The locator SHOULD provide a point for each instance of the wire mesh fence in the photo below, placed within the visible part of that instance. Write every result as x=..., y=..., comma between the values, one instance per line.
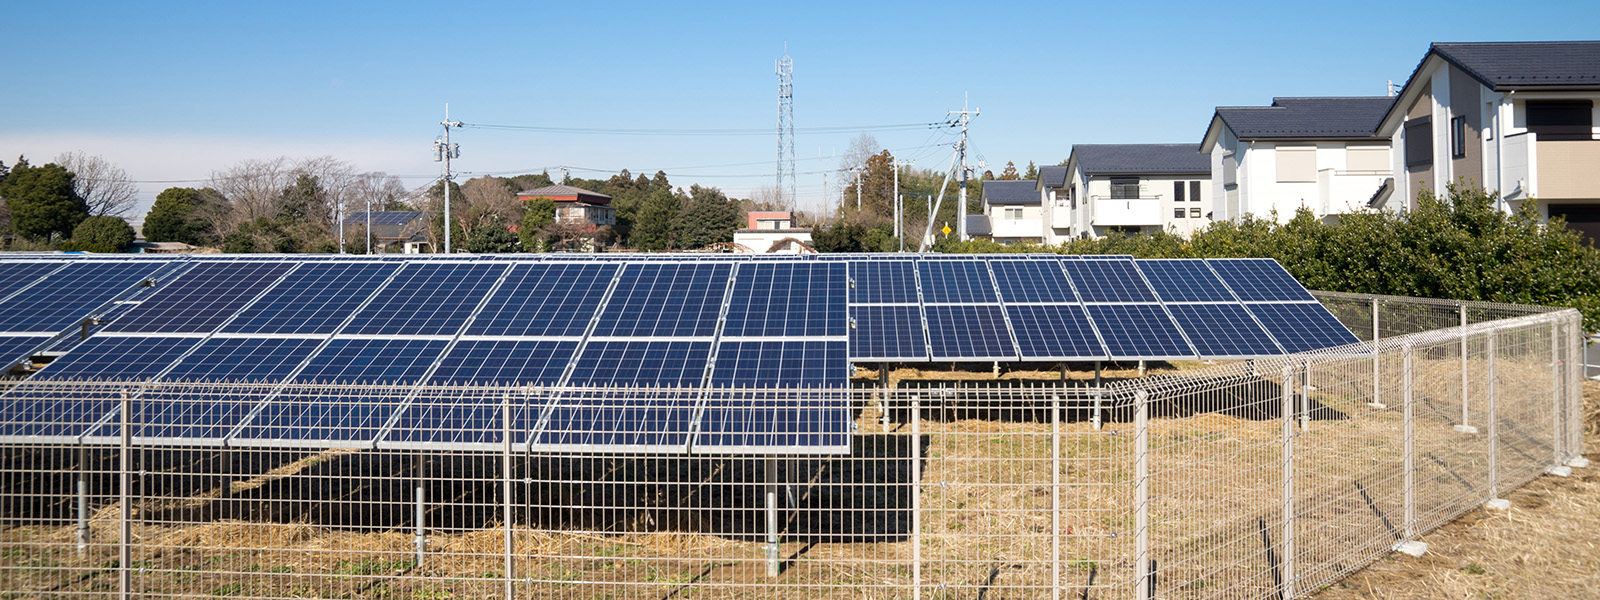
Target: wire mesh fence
x=1261, y=479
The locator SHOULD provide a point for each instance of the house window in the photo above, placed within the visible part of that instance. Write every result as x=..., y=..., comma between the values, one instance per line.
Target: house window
x=1194, y=213
x=1419, y=142
x=1014, y=214
x=1194, y=192
x=1561, y=119
x=1458, y=137
x=1125, y=188
x=1177, y=213
x=1297, y=163
x=1177, y=191
x=1072, y=196
x=1366, y=159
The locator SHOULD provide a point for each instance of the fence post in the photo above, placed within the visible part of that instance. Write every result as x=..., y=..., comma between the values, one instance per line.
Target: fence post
x=774, y=560
x=916, y=496
x=1288, y=420
x=421, y=539
x=1141, y=493
x=1466, y=424
x=1557, y=392
x=1305, y=395
x=1492, y=392
x=1055, y=497
x=125, y=506
x=505, y=476
x=1377, y=358
x=1408, y=395
x=83, y=501
x=1577, y=370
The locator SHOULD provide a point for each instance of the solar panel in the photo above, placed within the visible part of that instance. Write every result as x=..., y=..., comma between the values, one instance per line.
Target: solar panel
x=883, y=281
x=180, y=415
x=550, y=299
x=17, y=347
x=1108, y=281
x=1259, y=280
x=618, y=423
x=892, y=332
x=124, y=358
x=1222, y=330
x=801, y=425
x=1054, y=332
x=427, y=299
x=355, y=418
x=1140, y=331
x=504, y=362
x=392, y=217
x=15, y=275
x=808, y=364
x=969, y=332
x=45, y=414
x=653, y=363
x=202, y=298
x=1184, y=280
x=789, y=299
x=66, y=297
x=1032, y=281
x=378, y=361
x=961, y=281
x=1299, y=327
x=315, y=298
x=666, y=300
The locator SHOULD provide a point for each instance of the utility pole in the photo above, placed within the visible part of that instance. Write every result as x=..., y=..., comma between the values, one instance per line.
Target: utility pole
x=369, y=222
x=444, y=150
x=899, y=200
x=857, y=171
x=963, y=117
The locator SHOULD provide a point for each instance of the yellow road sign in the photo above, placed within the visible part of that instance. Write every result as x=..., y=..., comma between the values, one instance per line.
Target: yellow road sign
x=946, y=230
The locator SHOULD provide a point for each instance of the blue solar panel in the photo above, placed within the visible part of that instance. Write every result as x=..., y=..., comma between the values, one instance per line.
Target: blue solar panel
x=619, y=424
x=549, y=299
x=316, y=419
x=666, y=300
x=799, y=426
x=393, y=217
x=25, y=411
x=210, y=416
x=14, y=275
x=1299, y=327
x=478, y=362
x=65, y=298
x=315, y=298
x=1054, y=332
x=1219, y=330
x=378, y=361
x=243, y=359
x=202, y=298
x=1108, y=281
x=126, y=358
x=808, y=364
x=1138, y=331
x=969, y=332
x=15, y=348
x=1184, y=280
x=963, y=281
x=1037, y=280
x=887, y=332
x=1259, y=280
x=788, y=300
x=456, y=420
x=883, y=282
x=659, y=363
x=427, y=299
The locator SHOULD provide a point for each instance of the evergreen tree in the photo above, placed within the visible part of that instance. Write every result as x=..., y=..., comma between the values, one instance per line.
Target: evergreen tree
x=654, y=228
x=100, y=234
x=42, y=201
x=177, y=216
x=1032, y=172
x=1010, y=172
x=709, y=217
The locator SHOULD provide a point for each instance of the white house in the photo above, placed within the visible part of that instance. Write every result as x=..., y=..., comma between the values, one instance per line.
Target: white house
x=1057, y=213
x=1517, y=117
x=772, y=231
x=1014, y=211
x=1319, y=153
x=1134, y=188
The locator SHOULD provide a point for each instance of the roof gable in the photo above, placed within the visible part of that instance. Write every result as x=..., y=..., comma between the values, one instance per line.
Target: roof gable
x=1349, y=118
x=1519, y=65
x=998, y=192
x=559, y=190
x=1137, y=159
x=1052, y=176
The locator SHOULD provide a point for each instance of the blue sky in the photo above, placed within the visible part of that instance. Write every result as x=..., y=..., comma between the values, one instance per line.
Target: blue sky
x=173, y=91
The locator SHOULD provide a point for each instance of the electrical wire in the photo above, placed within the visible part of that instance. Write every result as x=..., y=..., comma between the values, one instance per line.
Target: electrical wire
x=705, y=132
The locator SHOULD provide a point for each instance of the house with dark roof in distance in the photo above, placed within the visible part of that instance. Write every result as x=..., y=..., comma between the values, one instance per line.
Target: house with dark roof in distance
x=393, y=230
x=1054, y=208
x=1137, y=188
x=1320, y=153
x=1517, y=117
x=581, y=211
x=1013, y=210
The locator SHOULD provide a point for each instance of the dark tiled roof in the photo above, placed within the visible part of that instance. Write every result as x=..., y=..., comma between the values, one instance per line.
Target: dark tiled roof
x=561, y=190
x=1053, y=176
x=1131, y=159
x=1511, y=65
x=978, y=225
x=1307, y=118
x=1010, y=193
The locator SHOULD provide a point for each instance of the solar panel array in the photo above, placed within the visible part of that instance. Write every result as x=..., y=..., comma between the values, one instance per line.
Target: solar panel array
x=681, y=326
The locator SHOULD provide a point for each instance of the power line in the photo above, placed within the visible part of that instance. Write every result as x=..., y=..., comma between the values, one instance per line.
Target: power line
x=704, y=132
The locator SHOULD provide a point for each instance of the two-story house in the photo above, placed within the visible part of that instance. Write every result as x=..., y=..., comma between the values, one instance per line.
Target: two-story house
x=575, y=205
x=1517, y=117
x=1013, y=211
x=1057, y=214
x=772, y=231
x=1137, y=188
x=1320, y=153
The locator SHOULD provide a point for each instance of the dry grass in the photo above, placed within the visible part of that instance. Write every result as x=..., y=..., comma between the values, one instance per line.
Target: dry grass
x=1547, y=546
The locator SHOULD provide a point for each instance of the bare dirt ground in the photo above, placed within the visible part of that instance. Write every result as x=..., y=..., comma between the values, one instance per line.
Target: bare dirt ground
x=1547, y=546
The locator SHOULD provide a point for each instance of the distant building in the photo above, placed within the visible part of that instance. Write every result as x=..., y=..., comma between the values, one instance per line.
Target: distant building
x=1134, y=188
x=404, y=230
x=1319, y=153
x=772, y=231
x=1518, y=117
x=1013, y=211
x=1055, y=210
x=575, y=205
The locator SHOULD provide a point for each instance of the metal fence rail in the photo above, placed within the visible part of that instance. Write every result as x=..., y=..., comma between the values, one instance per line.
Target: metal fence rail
x=1263, y=479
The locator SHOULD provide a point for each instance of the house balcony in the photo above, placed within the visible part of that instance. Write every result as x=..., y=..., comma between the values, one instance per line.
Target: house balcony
x=1119, y=212
x=1017, y=228
x=1060, y=216
x=1342, y=192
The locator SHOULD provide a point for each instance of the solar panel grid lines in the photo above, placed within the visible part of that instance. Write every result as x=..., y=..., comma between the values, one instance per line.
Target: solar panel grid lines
x=1301, y=326
x=1031, y=281
x=956, y=281
x=969, y=332
x=888, y=332
x=1222, y=331
x=666, y=299
x=1259, y=280
x=588, y=331
x=1107, y=280
x=1055, y=332
x=69, y=418
x=428, y=298
x=16, y=277
x=1186, y=341
x=787, y=299
x=314, y=298
x=1140, y=331
x=1010, y=331
x=207, y=419
x=16, y=348
x=545, y=299
x=1184, y=280
x=883, y=282
x=203, y=298
x=67, y=296
x=1099, y=338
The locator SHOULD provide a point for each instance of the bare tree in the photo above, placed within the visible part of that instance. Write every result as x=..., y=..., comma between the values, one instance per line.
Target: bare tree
x=253, y=186
x=485, y=201
x=104, y=186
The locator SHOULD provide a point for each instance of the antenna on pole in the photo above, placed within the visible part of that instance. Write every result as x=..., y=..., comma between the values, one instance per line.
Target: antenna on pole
x=962, y=118
x=785, y=183
x=443, y=150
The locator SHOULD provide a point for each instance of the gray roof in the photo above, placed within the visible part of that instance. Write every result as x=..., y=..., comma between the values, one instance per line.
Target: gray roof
x=998, y=192
x=1139, y=159
x=1052, y=176
x=978, y=225
x=561, y=190
x=1356, y=117
x=1519, y=65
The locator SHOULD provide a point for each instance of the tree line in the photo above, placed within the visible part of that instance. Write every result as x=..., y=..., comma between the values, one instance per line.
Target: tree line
x=72, y=203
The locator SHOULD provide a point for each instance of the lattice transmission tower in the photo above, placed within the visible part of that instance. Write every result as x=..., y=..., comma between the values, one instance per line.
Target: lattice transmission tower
x=786, y=186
